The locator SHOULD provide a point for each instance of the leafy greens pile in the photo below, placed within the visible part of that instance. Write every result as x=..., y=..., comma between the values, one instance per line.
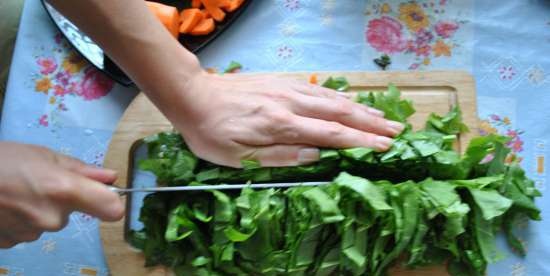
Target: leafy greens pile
x=419, y=203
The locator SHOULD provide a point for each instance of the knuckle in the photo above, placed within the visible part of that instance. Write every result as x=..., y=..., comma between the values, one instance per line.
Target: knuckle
x=30, y=236
x=279, y=118
x=52, y=223
x=343, y=109
x=334, y=129
x=60, y=189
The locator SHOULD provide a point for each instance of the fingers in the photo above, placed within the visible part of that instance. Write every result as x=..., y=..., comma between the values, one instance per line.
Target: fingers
x=323, y=133
x=284, y=155
x=79, y=167
x=335, y=97
x=88, y=196
x=347, y=113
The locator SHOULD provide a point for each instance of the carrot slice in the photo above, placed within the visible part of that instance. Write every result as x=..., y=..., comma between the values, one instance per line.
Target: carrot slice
x=213, y=8
x=206, y=14
x=204, y=27
x=189, y=19
x=196, y=4
x=313, y=79
x=167, y=15
x=234, y=5
x=225, y=4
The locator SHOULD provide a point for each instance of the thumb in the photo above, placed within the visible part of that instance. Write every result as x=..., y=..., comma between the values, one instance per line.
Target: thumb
x=285, y=155
x=74, y=165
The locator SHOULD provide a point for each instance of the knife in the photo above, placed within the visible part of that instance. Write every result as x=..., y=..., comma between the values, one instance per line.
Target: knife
x=125, y=191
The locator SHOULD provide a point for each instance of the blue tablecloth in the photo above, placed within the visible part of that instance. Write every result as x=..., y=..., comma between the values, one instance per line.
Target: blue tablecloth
x=54, y=98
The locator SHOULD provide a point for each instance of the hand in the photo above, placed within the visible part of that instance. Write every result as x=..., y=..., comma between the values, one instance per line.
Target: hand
x=39, y=189
x=225, y=119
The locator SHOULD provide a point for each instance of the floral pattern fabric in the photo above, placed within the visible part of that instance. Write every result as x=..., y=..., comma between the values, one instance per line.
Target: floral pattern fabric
x=56, y=99
x=418, y=30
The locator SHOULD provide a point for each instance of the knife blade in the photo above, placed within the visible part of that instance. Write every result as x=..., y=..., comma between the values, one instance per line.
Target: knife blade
x=125, y=191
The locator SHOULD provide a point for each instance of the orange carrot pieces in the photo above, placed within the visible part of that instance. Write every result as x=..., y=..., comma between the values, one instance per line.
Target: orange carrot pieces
x=213, y=8
x=196, y=4
x=189, y=19
x=233, y=5
x=225, y=4
x=206, y=14
x=204, y=27
x=313, y=79
x=167, y=15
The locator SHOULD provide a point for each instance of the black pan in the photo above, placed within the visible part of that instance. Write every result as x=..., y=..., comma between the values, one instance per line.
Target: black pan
x=94, y=54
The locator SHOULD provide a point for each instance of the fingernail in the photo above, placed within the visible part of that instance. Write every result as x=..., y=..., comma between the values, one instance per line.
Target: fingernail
x=395, y=127
x=308, y=155
x=376, y=112
x=383, y=143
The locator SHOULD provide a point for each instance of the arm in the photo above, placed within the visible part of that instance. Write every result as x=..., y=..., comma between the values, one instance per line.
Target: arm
x=225, y=119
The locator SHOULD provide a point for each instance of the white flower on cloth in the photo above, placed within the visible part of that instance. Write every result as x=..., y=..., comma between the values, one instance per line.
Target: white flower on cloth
x=518, y=269
x=288, y=28
x=48, y=245
x=536, y=75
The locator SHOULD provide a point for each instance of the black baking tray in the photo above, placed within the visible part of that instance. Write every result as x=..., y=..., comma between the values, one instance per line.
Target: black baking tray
x=94, y=54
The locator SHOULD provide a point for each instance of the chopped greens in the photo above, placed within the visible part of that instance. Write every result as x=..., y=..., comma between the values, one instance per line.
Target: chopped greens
x=337, y=83
x=383, y=61
x=233, y=67
x=419, y=203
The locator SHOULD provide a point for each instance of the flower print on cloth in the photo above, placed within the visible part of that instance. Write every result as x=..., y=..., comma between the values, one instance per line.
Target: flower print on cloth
x=496, y=124
x=94, y=85
x=65, y=73
x=385, y=34
x=413, y=16
x=47, y=65
x=415, y=31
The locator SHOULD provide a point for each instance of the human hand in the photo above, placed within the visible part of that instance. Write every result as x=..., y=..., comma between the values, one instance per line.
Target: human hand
x=39, y=189
x=228, y=118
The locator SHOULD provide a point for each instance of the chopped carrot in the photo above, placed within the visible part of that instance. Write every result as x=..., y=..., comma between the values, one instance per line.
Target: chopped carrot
x=313, y=79
x=225, y=4
x=204, y=27
x=189, y=19
x=233, y=5
x=167, y=15
x=213, y=8
x=196, y=4
x=206, y=14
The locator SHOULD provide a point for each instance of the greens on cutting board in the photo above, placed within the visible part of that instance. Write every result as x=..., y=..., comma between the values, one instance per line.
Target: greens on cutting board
x=419, y=203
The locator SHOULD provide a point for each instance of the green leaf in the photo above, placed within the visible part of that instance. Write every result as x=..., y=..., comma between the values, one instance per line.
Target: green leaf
x=337, y=83
x=491, y=203
x=250, y=164
x=232, y=67
x=368, y=191
x=236, y=236
x=327, y=205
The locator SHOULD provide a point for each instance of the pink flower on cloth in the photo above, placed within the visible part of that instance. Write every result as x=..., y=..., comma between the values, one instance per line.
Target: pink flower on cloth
x=47, y=65
x=423, y=37
x=43, y=121
x=94, y=85
x=385, y=35
x=516, y=145
x=59, y=90
x=445, y=29
x=423, y=50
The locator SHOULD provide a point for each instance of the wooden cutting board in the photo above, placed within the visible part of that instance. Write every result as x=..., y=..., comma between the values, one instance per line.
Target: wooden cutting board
x=436, y=91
